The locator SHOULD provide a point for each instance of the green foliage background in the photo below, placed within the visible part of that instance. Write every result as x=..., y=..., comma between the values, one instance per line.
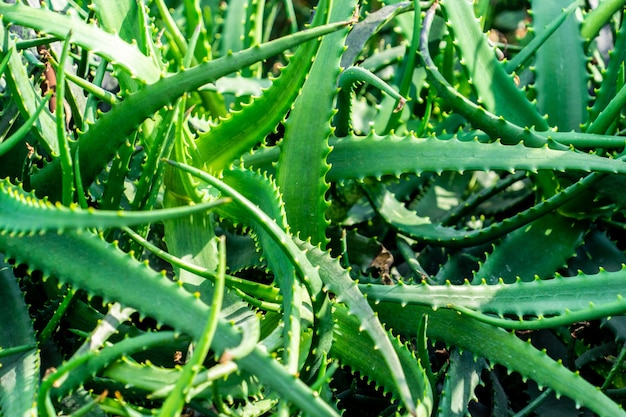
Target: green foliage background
x=259, y=207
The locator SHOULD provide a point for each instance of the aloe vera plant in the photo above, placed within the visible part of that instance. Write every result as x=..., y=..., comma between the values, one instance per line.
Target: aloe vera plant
x=257, y=208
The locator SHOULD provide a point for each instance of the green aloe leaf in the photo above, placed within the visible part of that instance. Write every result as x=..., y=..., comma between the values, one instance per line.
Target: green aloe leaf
x=501, y=347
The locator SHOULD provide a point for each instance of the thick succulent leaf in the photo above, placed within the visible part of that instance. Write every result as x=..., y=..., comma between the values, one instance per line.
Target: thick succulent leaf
x=22, y=212
x=358, y=157
x=305, y=144
x=127, y=19
x=584, y=293
x=461, y=380
x=422, y=228
x=501, y=347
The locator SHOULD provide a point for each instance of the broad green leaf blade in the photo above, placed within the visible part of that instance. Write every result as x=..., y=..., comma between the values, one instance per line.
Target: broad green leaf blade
x=358, y=157
x=461, y=380
x=126, y=18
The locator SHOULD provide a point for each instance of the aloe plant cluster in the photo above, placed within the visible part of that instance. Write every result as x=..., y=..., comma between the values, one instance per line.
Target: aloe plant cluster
x=260, y=208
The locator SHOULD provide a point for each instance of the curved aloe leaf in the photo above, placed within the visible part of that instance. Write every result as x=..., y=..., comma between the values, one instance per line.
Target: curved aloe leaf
x=356, y=157
x=406, y=221
x=501, y=347
x=363, y=353
x=582, y=293
x=22, y=212
x=305, y=144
